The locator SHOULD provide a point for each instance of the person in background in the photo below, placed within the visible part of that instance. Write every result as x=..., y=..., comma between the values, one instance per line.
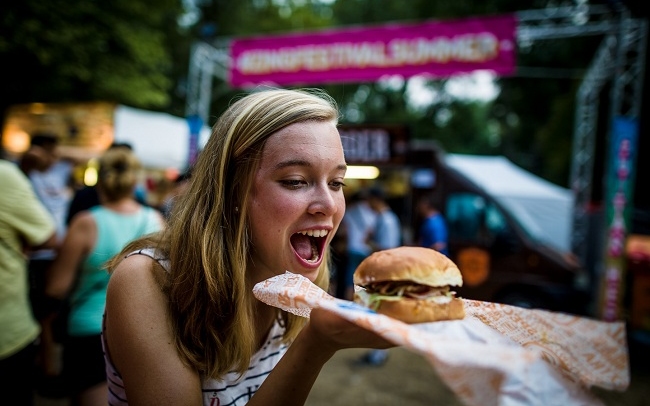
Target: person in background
x=51, y=178
x=88, y=197
x=339, y=263
x=433, y=229
x=387, y=231
x=50, y=174
x=78, y=272
x=180, y=186
x=265, y=197
x=25, y=224
x=359, y=221
x=386, y=234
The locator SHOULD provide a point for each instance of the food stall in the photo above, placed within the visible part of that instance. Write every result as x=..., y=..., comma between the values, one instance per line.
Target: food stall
x=85, y=130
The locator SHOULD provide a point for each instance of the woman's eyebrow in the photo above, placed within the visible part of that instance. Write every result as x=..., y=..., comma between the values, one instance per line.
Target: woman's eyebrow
x=302, y=162
x=292, y=162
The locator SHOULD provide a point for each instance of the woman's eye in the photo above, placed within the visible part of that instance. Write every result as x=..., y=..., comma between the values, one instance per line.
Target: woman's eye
x=292, y=183
x=336, y=185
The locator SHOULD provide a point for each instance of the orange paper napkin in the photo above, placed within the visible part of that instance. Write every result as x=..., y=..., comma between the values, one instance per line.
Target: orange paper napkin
x=496, y=355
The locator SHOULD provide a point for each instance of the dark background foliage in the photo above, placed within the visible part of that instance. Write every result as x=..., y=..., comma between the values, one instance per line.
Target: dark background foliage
x=136, y=52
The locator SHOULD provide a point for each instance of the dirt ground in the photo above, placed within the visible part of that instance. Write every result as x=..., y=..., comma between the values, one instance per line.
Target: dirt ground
x=408, y=379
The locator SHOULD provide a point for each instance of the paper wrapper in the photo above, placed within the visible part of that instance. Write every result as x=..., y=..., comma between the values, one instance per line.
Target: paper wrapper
x=497, y=355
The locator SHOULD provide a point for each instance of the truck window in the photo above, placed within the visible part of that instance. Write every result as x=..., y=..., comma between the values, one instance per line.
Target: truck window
x=472, y=219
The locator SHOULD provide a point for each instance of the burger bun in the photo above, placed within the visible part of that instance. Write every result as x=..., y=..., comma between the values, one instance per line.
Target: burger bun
x=415, y=266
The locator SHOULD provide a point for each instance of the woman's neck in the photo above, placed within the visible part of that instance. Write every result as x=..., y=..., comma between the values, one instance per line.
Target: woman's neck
x=124, y=205
x=265, y=317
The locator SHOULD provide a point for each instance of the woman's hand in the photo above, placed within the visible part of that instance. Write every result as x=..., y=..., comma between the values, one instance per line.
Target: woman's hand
x=290, y=382
x=334, y=333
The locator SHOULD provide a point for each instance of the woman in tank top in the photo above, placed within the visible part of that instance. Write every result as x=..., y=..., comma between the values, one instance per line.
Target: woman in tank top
x=182, y=326
x=79, y=274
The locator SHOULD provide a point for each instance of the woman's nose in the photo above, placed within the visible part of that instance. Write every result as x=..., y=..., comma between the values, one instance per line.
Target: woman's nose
x=324, y=201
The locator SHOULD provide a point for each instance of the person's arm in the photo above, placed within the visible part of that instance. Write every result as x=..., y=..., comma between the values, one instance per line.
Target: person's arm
x=51, y=242
x=60, y=278
x=140, y=339
x=293, y=377
x=141, y=346
x=26, y=214
x=79, y=238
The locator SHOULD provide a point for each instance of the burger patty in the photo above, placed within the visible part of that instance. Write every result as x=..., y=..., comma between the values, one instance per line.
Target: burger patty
x=407, y=289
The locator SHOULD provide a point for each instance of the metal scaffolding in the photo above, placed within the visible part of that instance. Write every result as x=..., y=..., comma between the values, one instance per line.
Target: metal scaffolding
x=206, y=61
x=620, y=59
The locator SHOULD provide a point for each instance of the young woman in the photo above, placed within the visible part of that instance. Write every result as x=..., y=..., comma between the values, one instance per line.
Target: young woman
x=79, y=273
x=182, y=326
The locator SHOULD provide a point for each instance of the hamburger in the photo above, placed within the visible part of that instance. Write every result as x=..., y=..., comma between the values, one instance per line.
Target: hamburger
x=411, y=284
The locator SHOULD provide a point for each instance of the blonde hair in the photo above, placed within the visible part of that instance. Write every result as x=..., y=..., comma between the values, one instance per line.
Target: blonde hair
x=208, y=239
x=119, y=169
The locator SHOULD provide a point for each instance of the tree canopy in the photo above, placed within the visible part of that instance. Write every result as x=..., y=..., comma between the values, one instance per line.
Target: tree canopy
x=136, y=52
x=58, y=51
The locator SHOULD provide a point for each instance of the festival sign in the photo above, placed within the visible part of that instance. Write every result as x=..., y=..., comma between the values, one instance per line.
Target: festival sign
x=434, y=48
x=618, y=208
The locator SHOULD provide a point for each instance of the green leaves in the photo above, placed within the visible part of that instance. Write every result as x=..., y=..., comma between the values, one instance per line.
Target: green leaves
x=86, y=51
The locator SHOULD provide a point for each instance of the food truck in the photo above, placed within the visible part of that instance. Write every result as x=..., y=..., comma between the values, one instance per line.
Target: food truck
x=504, y=254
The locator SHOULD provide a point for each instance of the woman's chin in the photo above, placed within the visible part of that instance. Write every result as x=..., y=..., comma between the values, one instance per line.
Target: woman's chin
x=308, y=269
x=312, y=275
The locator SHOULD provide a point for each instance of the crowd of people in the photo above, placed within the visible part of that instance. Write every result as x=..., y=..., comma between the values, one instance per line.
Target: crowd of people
x=160, y=300
x=52, y=303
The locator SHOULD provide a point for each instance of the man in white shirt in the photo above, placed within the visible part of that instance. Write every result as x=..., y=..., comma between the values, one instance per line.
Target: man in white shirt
x=359, y=222
x=386, y=234
x=51, y=177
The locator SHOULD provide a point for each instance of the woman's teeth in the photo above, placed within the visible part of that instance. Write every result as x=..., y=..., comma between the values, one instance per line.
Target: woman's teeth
x=315, y=255
x=314, y=233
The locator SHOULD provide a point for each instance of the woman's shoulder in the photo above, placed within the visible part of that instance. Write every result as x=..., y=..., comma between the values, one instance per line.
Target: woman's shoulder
x=137, y=272
x=83, y=223
x=132, y=267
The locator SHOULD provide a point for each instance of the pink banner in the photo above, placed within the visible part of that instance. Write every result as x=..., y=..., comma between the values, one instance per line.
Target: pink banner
x=437, y=49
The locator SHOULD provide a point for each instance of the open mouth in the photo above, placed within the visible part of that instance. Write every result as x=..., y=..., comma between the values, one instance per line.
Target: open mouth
x=309, y=244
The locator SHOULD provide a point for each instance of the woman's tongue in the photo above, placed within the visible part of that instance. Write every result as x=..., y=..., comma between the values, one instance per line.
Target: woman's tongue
x=303, y=245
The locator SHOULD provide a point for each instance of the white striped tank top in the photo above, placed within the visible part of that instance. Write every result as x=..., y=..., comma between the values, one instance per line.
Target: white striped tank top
x=232, y=389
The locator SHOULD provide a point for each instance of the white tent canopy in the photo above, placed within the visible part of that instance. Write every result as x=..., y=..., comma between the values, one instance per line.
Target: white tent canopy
x=159, y=140
x=543, y=208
